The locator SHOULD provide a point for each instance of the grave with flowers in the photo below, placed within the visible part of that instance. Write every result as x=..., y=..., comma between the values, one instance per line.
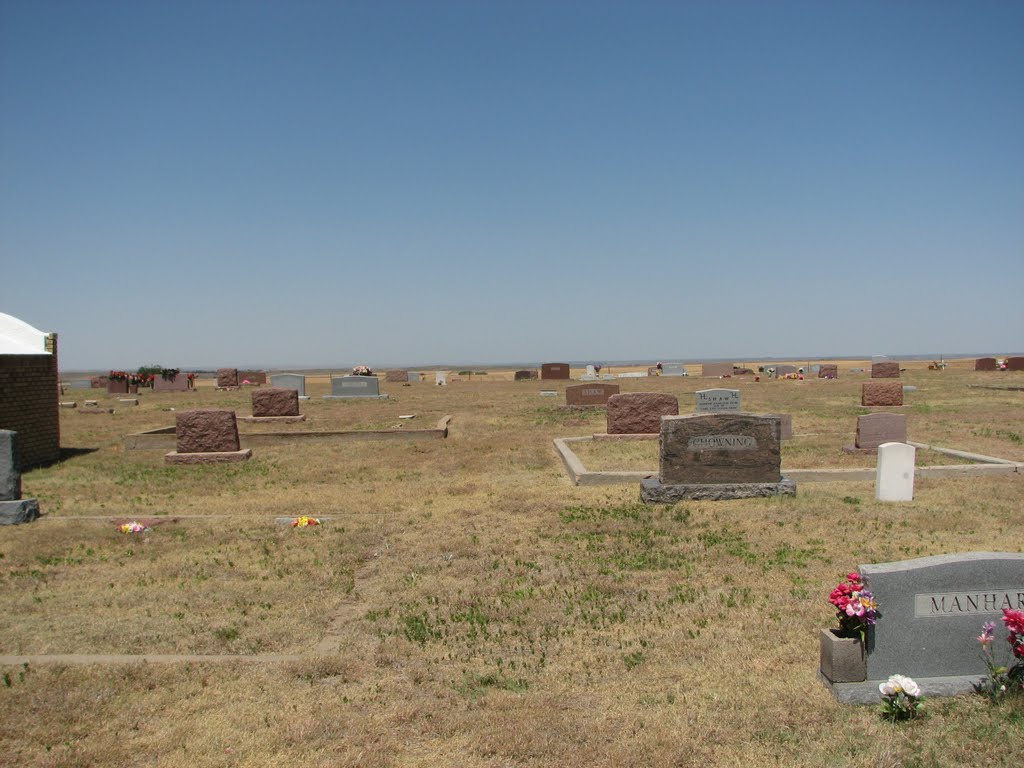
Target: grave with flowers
x=932, y=620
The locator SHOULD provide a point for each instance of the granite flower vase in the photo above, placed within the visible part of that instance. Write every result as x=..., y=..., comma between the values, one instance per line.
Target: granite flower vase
x=842, y=658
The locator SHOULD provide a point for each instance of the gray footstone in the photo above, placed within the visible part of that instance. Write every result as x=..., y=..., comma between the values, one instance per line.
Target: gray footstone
x=18, y=512
x=10, y=466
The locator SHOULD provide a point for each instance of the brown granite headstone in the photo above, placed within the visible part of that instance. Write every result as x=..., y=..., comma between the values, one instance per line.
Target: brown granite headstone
x=639, y=413
x=554, y=371
x=714, y=370
x=253, y=377
x=206, y=430
x=986, y=364
x=399, y=376
x=590, y=394
x=877, y=428
x=887, y=369
x=275, y=401
x=177, y=383
x=720, y=448
x=227, y=377
x=881, y=393
x=525, y=375
x=119, y=387
x=828, y=372
x=1015, y=363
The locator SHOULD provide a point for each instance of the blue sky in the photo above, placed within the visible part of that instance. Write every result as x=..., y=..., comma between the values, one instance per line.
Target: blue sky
x=328, y=183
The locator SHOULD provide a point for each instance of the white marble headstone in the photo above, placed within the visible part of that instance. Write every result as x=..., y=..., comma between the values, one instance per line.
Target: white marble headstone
x=894, y=477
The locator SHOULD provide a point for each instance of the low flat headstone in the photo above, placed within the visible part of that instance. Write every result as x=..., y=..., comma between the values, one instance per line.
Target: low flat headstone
x=888, y=369
x=71, y=404
x=355, y=386
x=294, y=381
x=128, y=400
x=1015, y=363
x=981, y=364
x=91, y=403
x=554, y=371
x=877, y=428
x=676, y=369
x=894, y=475
x=856, y=370
x=828, y=372
x=590, y=394
x=638, y=413
x=715, y=370
x=275, y=401
x=525, y=375
x=549, y=393
x=717, y=401
x=206, y=430
x=909, y=388
x=227, y=377
x=881, y=394
x=933, y=609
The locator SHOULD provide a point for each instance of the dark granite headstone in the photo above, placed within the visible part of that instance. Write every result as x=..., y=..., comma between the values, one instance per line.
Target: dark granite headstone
x=554, y=371
x=590, y=394
x=985, y=364
x=1015, y=363
x=720, y=448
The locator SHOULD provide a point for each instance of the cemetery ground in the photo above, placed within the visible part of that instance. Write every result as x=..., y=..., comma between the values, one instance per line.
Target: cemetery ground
x=464, y=603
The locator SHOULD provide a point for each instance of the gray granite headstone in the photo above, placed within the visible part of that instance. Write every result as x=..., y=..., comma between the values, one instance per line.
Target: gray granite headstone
x=10, y=467
x=673, y=369
x=718, y=401
x=355, y=386
x=933, y=608
x=413, y=376
x=289, y=381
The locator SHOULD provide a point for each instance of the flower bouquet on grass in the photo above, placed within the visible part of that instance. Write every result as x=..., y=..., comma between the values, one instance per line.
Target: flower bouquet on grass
x=133, y=527
x=901, y=698
x=855, y=607
x=1003, y=681
x=304, y=522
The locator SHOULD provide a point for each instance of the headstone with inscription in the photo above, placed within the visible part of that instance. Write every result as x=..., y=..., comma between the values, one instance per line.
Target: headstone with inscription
x=554, y=371
x=294, y=381
x=932, y=611
x=595, y=394
x=345, y=387
x=673, y=369
x=717, y=401
x=718, y=456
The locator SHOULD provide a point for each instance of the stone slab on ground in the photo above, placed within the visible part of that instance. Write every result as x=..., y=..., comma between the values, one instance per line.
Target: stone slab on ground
x=273, y=419
x=92, y=410
x=209, y=457
x=18, y=511
x=653, y=491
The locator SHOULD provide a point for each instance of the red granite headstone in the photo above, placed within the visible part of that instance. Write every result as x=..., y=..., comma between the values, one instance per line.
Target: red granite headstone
x=888, y=369
x=986, y=364
x=554, y=371
x=590, y=394
x=828, y=372
x=637, y=413
x=227, y=377
x=206, y=430
x=1015, y=363
x=881, y=393
x=275, y=401
x=877, y=428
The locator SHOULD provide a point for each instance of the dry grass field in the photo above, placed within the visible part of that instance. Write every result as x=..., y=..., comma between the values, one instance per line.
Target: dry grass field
x=464, y=604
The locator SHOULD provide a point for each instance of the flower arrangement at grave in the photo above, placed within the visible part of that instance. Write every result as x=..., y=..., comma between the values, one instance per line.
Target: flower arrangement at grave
x=168, y=374
x=133, y=527
x=1003, y=681
x=304, y=521
x=117, y=376
x=856, y=607
x=901, y=698
x=362, y=370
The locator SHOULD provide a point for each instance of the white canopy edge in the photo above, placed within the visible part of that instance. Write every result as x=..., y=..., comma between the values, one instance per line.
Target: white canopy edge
x=20, y=338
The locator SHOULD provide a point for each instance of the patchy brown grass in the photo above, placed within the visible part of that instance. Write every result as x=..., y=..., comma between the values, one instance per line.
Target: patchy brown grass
x=488, y=612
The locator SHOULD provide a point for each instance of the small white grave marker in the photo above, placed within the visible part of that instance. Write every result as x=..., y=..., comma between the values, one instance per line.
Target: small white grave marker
x=894, y=477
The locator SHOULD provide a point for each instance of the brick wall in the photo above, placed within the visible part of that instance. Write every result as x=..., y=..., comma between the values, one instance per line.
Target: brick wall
x=29, y=404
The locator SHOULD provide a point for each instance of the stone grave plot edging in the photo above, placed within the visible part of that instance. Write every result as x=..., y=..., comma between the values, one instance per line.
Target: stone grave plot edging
x=988, y=465
x=164, y=438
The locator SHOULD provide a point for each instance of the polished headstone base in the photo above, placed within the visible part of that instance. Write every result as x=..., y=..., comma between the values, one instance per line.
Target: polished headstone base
x=652, y=491
x=17, y=512
x=209, y=457
x=867, y=692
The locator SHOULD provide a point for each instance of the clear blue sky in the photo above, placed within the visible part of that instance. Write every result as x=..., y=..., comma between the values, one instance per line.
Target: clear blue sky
x=326, y=183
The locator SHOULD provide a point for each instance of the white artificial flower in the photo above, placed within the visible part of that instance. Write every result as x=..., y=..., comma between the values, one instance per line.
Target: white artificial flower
x=897, y=683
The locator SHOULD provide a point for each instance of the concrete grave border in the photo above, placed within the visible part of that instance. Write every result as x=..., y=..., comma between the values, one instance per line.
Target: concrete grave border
x=988, y=465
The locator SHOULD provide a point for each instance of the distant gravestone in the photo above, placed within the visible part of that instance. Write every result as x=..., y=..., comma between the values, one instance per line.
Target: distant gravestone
x=414, y=377
x=881, y=394
x=354, y=386
x=894, y=475
x=525, y=375
x=785, y=370
x=716, y=370
x=258, y=378
x=590, y=394
x=14, y=510
x=877, y=428
x=815, y=369
x=227, y=377
x=652, y=370
x=176, y=383
x=638, y=413
x=888, y=369
x=275, y=401
x=397, y=376
x=1015, y=363
x=933, y=609
x=441, y=378
x=673, y=369
x=81, y=384
x=718, y=456
x=554, y=371
x=785, y=425
x=590, y=375
x=986, y=364
x=294, y=381
x=828, y=372
x=717, y=401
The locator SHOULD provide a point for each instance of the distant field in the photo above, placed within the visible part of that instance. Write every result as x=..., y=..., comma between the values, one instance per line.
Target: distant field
x=466, y=604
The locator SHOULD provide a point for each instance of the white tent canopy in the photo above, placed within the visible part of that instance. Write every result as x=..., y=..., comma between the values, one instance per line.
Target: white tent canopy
x=19, y=338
